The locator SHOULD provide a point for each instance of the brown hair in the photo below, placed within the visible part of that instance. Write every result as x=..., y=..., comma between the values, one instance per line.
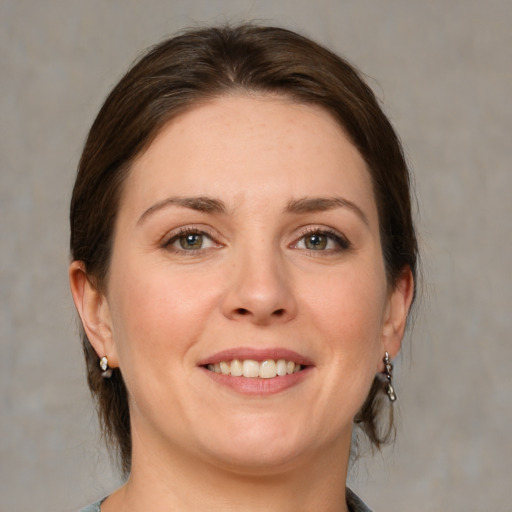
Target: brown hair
x=193, y=67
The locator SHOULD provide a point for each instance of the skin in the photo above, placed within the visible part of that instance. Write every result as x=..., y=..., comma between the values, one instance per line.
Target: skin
x=256, y=282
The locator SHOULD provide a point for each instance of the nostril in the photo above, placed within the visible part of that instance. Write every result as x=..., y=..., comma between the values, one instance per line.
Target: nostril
x=278, y=313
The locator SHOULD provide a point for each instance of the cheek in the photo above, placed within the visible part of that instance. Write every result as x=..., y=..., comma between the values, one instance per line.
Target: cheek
x=158, y=312
x=349, y=305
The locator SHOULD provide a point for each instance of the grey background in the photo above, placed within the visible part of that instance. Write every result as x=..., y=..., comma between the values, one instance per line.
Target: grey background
x=443, y=69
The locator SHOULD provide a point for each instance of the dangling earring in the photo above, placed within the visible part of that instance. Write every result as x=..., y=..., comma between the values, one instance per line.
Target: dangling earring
x=107, y=372
x=388, y=373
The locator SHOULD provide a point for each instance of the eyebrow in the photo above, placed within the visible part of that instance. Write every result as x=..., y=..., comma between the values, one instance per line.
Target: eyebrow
x=321, y=204
x=298, y=206
x=199, y=203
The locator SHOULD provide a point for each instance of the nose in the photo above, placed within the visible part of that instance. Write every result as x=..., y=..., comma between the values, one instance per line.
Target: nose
x=260, y=291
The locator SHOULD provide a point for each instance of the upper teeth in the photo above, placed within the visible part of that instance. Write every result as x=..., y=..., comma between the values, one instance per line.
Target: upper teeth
x=249, y=368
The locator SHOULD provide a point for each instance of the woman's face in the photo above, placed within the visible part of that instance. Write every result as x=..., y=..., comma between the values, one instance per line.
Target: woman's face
x=248, y=232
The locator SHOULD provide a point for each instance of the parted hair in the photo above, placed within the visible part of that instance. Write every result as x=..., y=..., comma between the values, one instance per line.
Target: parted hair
x=191, y=68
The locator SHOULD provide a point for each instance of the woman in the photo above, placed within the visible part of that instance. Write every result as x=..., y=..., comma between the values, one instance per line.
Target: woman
x=243, y=266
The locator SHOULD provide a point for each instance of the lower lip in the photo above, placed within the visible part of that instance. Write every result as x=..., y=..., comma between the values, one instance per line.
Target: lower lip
x=257, y=386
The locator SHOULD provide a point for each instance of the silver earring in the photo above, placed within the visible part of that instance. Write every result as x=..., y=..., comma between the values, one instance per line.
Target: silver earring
x=107, y=372
x=388, y=373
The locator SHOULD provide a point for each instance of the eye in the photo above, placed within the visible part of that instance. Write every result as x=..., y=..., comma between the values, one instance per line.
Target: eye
x=190, y=240
x=322, y=240
x=316, y=242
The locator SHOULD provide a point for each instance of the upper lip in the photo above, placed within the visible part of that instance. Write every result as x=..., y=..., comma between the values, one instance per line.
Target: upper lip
x=256, y=354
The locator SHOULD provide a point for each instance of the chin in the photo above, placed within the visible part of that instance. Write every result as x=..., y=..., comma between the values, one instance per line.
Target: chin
x=264, y=447
x=257, y=459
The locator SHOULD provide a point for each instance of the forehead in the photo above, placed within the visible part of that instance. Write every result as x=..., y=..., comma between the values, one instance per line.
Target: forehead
x=264, y=147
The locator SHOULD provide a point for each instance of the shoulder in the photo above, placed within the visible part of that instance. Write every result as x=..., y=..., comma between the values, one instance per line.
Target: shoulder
x=95, y=507
x=355, y=504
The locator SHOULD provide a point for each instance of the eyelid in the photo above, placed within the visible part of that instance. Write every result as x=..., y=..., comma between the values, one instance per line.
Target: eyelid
x=335, y=235
x=202, y=230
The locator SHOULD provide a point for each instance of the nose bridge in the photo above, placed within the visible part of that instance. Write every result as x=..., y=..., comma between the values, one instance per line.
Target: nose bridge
x=259, y=287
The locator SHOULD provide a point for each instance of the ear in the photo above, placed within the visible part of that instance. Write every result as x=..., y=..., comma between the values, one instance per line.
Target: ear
x=94, y=311
x=395, y=320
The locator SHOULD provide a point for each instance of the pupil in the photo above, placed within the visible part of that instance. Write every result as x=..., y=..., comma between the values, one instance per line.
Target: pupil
x=191, y=241
x=316, y=242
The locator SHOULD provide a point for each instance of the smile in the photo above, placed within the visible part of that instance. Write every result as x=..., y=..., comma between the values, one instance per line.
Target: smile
x=252, y=369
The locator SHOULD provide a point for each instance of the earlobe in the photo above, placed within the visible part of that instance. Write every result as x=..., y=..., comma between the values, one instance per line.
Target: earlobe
x=93, y=308
x=399, y=303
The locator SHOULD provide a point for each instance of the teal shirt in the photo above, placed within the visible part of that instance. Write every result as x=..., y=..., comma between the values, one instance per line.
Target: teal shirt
x=353, y=502
x=95, y=507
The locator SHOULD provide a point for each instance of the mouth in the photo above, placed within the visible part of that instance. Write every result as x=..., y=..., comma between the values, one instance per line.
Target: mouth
x=257, y=372
x=253, y=369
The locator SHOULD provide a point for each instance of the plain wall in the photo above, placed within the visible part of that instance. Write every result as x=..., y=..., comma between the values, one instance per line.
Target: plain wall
x=443, y=70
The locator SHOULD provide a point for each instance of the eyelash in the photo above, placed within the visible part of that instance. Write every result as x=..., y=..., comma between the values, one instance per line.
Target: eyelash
x=342, y=242
x=189, y=230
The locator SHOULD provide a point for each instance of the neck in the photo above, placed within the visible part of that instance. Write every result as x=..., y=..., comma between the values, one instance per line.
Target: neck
x=177, y=481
